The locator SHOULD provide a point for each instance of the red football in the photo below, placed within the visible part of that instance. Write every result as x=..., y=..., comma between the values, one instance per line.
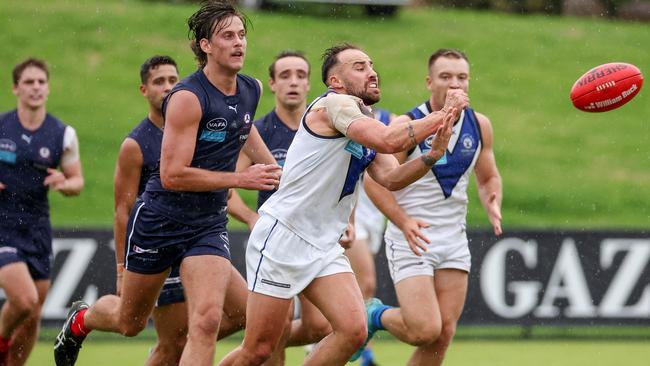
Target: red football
x=606, y=87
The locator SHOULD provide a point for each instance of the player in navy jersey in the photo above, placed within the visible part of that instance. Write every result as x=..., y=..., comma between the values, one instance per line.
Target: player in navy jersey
x=33, y=146
x=426, y=244
x=294, y=247
x=181, y=216
x=139, y=159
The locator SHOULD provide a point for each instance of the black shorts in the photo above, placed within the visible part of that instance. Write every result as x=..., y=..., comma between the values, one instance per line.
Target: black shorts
x=155, y=243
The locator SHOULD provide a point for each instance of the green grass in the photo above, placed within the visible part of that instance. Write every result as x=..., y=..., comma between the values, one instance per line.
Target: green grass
x=560, y=167
x=392, y=353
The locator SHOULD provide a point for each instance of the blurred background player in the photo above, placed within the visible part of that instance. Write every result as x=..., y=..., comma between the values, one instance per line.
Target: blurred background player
x=369, y=224
x=181, y=216
x=33, y=144
x=138, y=160
x=426, y=244
x=294, y=247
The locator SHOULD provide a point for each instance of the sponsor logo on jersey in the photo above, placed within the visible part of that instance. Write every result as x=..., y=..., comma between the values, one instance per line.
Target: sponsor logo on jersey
x=214, y=130
x=355, y=149
x=280, y=155
x=247, y=118
x=217, y=124
x=7, y=151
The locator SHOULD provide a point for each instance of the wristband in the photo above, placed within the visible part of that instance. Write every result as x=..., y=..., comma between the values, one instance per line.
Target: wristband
x=411, y=133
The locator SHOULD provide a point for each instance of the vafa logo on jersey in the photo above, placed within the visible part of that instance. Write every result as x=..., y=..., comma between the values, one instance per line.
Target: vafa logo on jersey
x=214, y=130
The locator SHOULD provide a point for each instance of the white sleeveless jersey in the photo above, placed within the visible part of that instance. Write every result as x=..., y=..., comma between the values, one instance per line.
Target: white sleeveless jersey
x=439, y=198
x=319, y=185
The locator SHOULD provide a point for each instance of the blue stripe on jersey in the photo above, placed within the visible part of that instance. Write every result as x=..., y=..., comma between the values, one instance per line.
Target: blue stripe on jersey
x=278, y=137
x=451, y=167
x=25, y=156
x=382, y=116
x=149, y=137
x=359, y=161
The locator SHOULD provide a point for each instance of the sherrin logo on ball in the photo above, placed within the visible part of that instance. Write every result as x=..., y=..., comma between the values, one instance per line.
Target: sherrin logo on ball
x=606, y=87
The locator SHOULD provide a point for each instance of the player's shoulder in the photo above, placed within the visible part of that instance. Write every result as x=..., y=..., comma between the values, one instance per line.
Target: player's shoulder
x=130, y=148
x=56, y=122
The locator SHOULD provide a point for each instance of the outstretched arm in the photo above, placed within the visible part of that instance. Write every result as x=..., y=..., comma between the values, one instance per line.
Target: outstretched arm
x=403, y=134
x=386, y=171
x=488, y=178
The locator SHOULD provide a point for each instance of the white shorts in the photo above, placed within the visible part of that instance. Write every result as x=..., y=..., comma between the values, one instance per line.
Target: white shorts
x=448, y=249
x=281, y=264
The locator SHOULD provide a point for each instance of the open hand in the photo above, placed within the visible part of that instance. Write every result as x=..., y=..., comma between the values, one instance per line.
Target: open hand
x=416, y=240
x=441, y=139
x=348, y=237
x=494, y=214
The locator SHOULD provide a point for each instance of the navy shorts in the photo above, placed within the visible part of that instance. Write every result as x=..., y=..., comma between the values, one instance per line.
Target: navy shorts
x=172, y=290
x=31, y=244
x=156, y=243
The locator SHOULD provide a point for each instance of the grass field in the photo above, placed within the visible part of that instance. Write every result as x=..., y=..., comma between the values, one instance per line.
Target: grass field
x=561, y=167
x=392, y=353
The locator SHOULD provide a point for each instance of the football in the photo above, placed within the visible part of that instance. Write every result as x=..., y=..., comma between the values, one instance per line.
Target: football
x=606, y=87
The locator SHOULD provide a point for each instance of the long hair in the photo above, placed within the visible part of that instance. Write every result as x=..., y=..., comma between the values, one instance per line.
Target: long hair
x=204, y=23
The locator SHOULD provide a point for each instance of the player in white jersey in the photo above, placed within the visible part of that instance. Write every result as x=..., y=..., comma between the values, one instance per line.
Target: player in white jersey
x=294, y=247
x=426, y=244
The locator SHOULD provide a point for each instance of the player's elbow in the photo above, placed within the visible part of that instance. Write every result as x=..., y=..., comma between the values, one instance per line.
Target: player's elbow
x=170, y=180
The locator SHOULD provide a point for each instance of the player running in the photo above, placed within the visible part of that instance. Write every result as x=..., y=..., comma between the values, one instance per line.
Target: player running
x=33, y=146
x=181, y=216
x=426, y=243
x=294, y=245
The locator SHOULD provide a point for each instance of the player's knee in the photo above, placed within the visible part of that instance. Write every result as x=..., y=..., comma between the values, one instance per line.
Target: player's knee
x=25, y=305
x=206, y=320
x=355, y=332
x=447, y=333
x=425, y=333
x=259, y=354
x=319, y=330
x=132, y=328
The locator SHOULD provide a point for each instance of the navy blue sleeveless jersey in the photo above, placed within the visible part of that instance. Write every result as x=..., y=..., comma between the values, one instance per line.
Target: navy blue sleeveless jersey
x=382, y=115
x=24, y=158
x=450, y=168
x=277, y=136
x=149, y=137
x=224, y=127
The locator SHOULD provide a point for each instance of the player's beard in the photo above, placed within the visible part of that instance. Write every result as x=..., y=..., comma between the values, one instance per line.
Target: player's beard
x=363, y=94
